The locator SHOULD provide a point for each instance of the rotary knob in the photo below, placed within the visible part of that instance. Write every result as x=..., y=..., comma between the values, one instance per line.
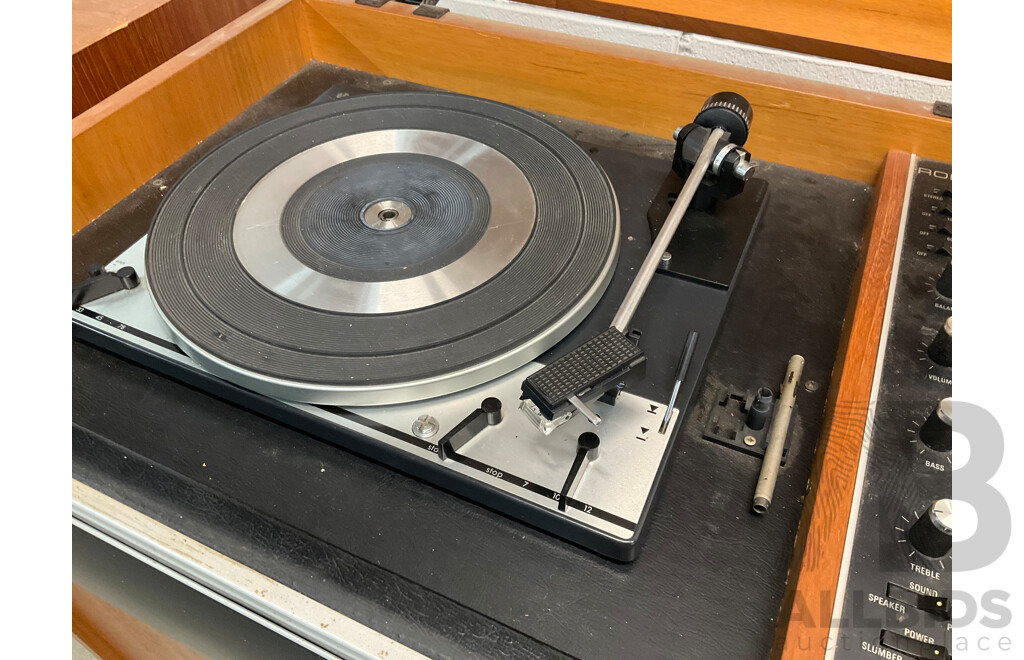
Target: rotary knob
x=941, y=348
x=944, y=285
x=937, y=430
x=729, y=111
x=932, y=534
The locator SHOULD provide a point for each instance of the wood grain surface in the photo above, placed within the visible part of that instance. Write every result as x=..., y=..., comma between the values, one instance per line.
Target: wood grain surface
x=113, y=634
x=124, y=140
x=811, y=591
x=914, y=35
x=116, y=41
x=91, y=20
x=815, y=126
x=127, y=138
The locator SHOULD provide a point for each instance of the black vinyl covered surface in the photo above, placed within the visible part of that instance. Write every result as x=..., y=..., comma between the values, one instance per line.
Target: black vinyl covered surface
x=450, y=578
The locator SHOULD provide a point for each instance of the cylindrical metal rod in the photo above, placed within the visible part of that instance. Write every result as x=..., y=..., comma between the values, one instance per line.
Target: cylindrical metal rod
x=668, y=230
x=684, y=365
x=777, y=437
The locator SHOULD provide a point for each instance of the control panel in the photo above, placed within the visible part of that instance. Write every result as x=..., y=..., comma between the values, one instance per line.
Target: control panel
x=895, y=581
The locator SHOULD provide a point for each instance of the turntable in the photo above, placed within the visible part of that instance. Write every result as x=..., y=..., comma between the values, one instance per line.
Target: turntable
x=513, y=493
x=448, y=285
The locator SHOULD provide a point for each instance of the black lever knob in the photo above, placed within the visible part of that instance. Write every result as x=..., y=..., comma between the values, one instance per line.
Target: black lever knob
x=941, y=348
x=937, y=430
x=492, y=410
x=488, y=414
x=944, y=285
x=932, y=534
x=102, y=282
x=587, y=446
x=129, y=278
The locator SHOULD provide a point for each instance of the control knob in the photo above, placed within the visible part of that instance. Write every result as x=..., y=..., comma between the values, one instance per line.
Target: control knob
x=937, y=430
x=941, y=348
x=932, y=534
x=944, y=285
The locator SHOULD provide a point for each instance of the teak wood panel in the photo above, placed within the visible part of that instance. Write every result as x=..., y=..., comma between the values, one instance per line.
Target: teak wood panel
x=91, y=20
x=124, y=140
x=121, y=142
x=912, y=35
x=820, y=127
x=113, y=634
x=811, y=591
x=112, y=46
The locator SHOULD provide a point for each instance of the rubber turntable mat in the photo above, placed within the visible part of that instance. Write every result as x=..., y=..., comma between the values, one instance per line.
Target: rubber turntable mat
x=453, y=197
x=710, y=576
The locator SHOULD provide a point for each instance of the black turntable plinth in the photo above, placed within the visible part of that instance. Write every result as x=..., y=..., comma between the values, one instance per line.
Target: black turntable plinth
x=443, y=574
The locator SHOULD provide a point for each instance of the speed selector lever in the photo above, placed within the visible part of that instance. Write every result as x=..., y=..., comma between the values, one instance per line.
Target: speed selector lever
x=102, y=282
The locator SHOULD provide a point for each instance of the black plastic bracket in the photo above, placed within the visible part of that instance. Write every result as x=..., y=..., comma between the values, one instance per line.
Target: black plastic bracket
x=727, y=424
x=728, y=229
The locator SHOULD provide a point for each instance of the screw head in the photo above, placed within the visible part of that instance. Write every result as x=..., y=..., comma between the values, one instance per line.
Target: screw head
x=425, y=427
x=750, y=441
x=811, y=386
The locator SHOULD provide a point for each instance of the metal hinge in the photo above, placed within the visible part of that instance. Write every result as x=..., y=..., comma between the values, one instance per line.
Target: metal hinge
x=426, y=8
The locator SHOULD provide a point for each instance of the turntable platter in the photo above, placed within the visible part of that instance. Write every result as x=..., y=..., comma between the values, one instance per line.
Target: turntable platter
x=382, y=248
